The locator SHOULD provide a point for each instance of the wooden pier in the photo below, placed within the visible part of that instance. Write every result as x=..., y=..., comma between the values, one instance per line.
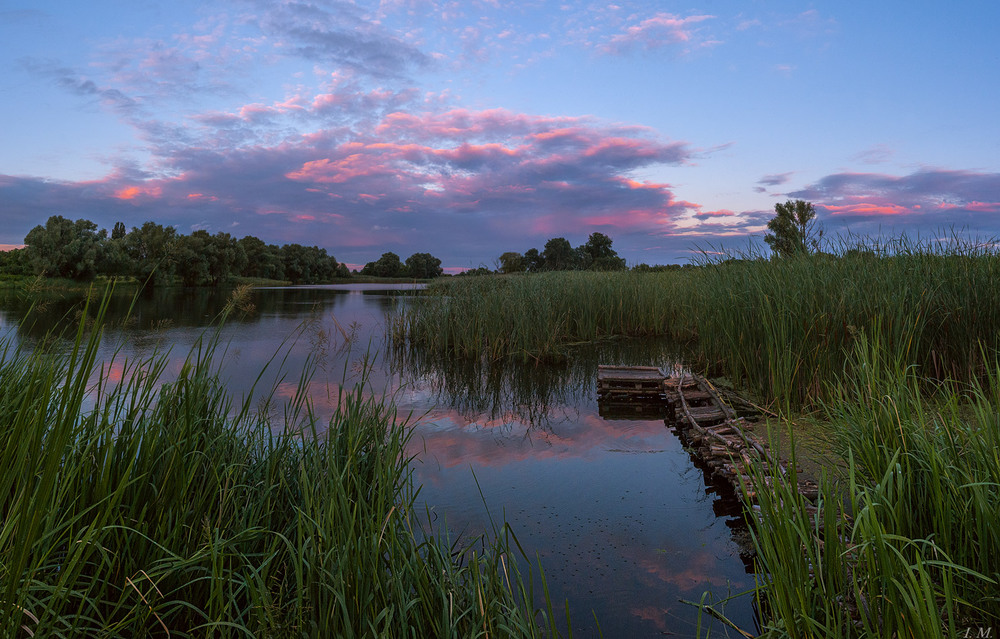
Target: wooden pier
x=708, y=425
x=630, y=382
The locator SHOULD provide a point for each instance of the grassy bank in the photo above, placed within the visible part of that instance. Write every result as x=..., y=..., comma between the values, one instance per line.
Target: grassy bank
x=781, y=329
x=147, y=507
x=921, y=555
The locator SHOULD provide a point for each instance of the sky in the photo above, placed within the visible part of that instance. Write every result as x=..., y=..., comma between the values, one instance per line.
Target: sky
x=466, y=129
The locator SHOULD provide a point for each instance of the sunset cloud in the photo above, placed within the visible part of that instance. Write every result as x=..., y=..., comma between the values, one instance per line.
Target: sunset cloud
x=932, y=199
x=448, y=181
x=656, y=32
x=468, y=129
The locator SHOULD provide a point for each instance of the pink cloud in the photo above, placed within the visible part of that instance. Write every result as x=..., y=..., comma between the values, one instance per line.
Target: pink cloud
x=133, y=192
x=661, y=30
x=866, y=208
x=451, y=182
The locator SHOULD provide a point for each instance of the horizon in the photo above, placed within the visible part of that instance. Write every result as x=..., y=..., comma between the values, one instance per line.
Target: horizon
x=468, y=129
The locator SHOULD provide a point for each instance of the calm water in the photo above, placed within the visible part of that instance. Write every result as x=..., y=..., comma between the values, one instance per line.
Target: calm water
x=625, y=523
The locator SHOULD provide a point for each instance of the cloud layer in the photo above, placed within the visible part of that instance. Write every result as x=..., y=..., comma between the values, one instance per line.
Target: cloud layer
x=343, y=123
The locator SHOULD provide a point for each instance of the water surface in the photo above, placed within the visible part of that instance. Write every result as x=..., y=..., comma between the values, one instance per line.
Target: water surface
x=623, y=520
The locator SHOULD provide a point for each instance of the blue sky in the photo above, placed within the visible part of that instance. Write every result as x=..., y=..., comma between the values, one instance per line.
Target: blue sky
x=466, y=129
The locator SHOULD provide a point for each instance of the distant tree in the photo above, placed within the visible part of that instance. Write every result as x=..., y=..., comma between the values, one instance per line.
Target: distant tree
x=208, y=260
x=423, y=266
x=601, y=256
x=608, y=264
x=599, y=245
x=150, y=249
x=658, y=268
x=476, y=272
x=63, y=248
x=559, y=255
x=191, y=253
x=115, y=260
x=533, y=261
x=793, y=229
x=389, y=265
x=512, y=262
x=15, y=262
x=263, y=260
x=307, y=264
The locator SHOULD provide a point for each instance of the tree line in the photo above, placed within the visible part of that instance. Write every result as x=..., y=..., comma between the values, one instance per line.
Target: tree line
x=158, y=255
x=559, y=255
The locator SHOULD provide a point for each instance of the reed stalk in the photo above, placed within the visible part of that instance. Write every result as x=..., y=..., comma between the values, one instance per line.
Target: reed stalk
x=920, y=556
x=782, y=329
x=162, y=507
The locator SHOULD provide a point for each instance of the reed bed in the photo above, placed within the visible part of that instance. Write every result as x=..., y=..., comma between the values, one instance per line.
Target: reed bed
x=533, y=317
x=782, y=329
x=165, y=508
x=921, y=556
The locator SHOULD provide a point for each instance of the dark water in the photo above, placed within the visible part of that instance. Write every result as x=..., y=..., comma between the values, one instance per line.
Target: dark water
x=624, y=521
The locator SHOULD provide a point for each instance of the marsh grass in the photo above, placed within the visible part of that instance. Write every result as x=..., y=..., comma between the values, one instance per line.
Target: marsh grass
x=896, y=343
x=136, y=505
x=921, y=557
x=781, y=329
x=534, y=317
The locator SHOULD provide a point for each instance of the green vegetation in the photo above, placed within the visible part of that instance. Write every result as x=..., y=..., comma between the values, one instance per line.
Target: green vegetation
x=533, y=316
x=133, y=505
x=921, y=557
x=896, y=344
x=417, y=266
x=780, y=328
x=793, y=229
x=559, y=255
x=157, y=255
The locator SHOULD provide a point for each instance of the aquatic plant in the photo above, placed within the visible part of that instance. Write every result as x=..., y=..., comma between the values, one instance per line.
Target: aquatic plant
x=908, y=543
x=781, y=328
x=133, y=504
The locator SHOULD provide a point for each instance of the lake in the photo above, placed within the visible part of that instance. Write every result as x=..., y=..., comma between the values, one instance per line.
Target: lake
x=625, y=523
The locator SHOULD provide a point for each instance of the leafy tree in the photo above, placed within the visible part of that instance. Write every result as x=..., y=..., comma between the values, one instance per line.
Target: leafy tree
x=476, y=272
x=581, y=258
x=307, y=264
x=423, y=266
x=64, y=248
x=599, y=245
x=388, y=265
x=15, y=262
x=192, y=256
x=559, y=255
x=601, y=256
x=793, y=229
x=226, y=258
x=150, y=249
x=533, y=261
x=609, y=263
x=208, y=260
x=512, y=262
x=115, y=260
x=263, y=260
x=118, y=232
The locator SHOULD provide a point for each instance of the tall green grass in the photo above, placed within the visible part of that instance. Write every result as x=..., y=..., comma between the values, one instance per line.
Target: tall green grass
x=921, y=557
x=781, y=328
x=142, y=506
x=533, y=317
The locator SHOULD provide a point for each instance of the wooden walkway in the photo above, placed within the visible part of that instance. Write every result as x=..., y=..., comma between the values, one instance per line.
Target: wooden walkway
x=630, y=382
x=710, y=427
